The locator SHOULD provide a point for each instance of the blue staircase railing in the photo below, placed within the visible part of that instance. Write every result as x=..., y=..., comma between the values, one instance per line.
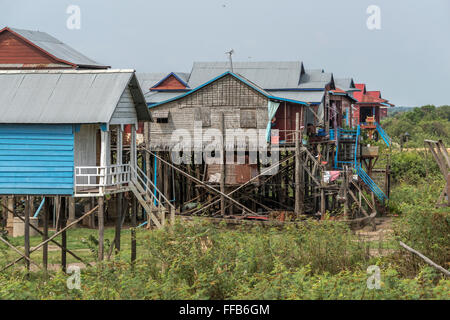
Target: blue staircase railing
x=371, y=184
x=342, y=135
x=353, y=135
x=364, y=176
x=383, y=135
x=358, y=133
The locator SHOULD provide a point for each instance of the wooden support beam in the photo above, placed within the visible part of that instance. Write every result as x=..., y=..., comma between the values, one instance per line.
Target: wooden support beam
x=202, y=184
x=222, y=165
x=118, y=221
x=71, y=209
x=41, y=233
x=101, y=227
x=427, y=260
x=45, y=218
x=134, y=208
x=62, y=225
x=27, y=233
x=25, y=256
x=250, y=181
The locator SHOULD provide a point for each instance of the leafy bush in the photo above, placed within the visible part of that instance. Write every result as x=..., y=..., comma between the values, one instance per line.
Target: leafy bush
x=426, y=230
x=427, y=122
x=413, y=166
x=315, y=260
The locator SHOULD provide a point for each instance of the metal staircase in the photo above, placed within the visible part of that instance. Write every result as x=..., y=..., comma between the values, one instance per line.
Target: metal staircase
x=370, y=183
x=345, y=147
x=347, y=154
x=383, y=135
x=364, y=176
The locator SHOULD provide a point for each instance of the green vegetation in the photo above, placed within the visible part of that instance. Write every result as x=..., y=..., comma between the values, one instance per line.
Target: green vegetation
x=427, y=122
x=312, y=260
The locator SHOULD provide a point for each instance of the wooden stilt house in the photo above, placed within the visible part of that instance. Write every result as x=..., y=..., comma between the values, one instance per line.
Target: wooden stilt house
x=56, y=130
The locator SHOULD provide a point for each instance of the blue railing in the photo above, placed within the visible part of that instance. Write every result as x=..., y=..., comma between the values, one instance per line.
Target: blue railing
x=371, y=184
x=354, y=135
x=384, y=135
x=342, y=134
x=358, y=133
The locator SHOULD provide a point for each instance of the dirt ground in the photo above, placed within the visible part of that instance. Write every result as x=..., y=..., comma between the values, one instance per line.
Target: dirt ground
x=381, y=237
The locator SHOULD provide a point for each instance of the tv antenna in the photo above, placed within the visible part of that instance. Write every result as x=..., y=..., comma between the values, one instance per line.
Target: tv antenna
x=230, y=53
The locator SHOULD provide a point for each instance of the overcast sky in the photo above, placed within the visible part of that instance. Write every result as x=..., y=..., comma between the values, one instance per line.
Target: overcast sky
x=408, y=59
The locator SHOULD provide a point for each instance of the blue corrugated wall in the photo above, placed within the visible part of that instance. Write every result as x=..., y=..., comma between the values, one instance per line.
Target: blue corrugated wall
x=36, y=159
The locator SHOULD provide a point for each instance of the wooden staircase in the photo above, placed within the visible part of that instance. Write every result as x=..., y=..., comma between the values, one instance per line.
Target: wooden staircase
x=155, y=204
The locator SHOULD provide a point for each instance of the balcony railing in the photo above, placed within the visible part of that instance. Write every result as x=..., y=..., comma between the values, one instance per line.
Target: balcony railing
x=100, y=180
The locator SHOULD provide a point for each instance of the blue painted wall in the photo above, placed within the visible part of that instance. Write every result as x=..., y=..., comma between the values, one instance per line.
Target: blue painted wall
x=36, y=159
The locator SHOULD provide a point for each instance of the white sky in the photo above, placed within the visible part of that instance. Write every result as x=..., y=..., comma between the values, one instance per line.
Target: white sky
x=408, y=59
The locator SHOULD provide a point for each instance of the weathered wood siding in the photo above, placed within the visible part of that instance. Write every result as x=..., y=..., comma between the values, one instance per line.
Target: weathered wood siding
x=125, y=112
x=228, y=95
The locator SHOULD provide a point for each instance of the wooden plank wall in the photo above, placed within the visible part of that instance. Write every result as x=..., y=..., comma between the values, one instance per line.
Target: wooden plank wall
x=227, y=95
x=125, y=112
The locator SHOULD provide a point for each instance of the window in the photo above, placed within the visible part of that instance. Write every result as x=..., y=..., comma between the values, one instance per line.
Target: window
x=162, y=120
x=160, y=116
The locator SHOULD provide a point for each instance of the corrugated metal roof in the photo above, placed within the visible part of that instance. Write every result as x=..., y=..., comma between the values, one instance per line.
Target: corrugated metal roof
x=267, y=75
x=346, y=84
x=57, y=48
x=148, y=80
x=183, y=76
x=74, y=96
x=159, y=96
x=315, y=79
x=238, y=77
x=314, y=97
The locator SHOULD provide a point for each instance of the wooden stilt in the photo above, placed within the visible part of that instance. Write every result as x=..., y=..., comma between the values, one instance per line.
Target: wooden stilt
x=10, y=222
x=71, y=210
x=166, y=184
x=45, y=218
x=118, y=221
x=101, y=205
x=27, y=233
x=222, y=166
x=62, y=225
x=133, y=230
x=92, y=216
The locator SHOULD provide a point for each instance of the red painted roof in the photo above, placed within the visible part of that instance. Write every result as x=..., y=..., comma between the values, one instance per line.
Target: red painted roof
x=359, y=94
x=366, y=98
x=376, y=94
x=169, y=83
